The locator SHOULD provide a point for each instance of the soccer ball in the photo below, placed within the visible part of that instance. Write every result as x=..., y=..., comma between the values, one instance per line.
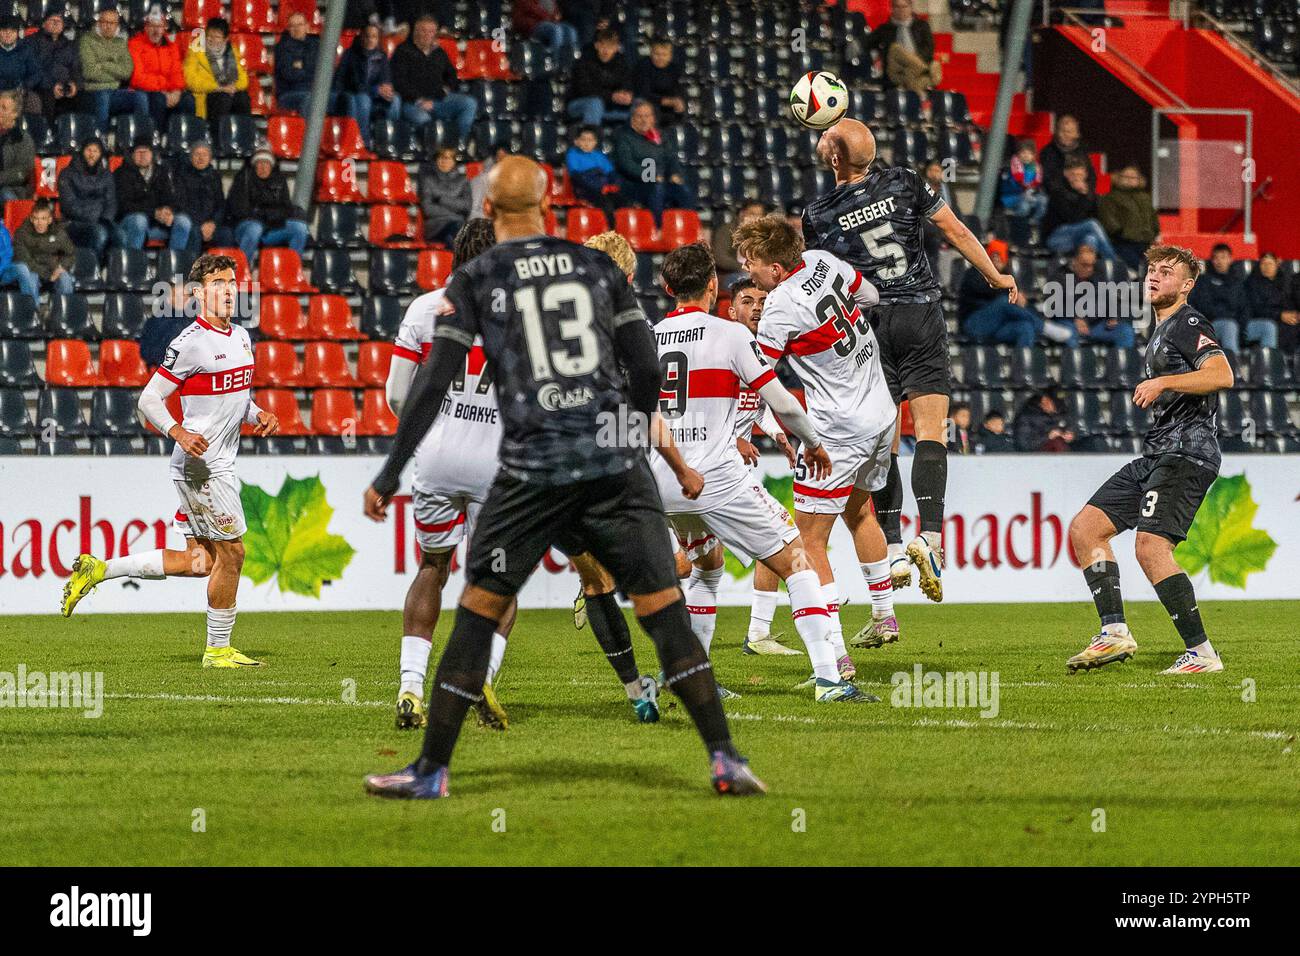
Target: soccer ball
x=819, y=100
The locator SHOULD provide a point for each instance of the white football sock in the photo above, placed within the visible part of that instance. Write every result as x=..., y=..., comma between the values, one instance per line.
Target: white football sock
x=221, y=621
x=762, y=608
x=897, y=552
x=813, y=622
x=146, y=564
x=702, y=603
x=414, y=663
x=830, y=592
x=880, y=586
x=634, y=689
x=1203, y=649
x=498, y=652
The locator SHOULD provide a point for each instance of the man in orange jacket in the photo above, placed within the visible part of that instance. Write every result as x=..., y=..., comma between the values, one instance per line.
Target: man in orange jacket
x=158, y=73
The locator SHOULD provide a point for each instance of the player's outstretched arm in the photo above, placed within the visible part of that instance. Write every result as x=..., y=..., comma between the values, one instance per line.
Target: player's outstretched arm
x=792, y=415
x=967, y=243
x=1214, y=375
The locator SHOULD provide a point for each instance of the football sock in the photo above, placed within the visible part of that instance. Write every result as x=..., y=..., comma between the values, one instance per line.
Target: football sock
x=702, y=603
x=457, y=684
x=762, y=608
x=813, y=622
x=1203, y=650
x=610, y=627
x=414, y=663
x=1103, y=582
x=221, y=621
x=888, y=502
x=688, y=673
x=1176, y=594
x=831, y=595
x=494, y=660
x=929, y=479
x=146, y=564
x=881, y=587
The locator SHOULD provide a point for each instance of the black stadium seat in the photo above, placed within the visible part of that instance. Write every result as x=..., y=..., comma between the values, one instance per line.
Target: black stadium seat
x=338, y=225
x=69, y=318
x=381, y=315
x=113, y=412
x=10, y=446
x=14, y=418
x=1124, y=368
x=124, y=315
x=392, y=271
x=59, y=410
x=1029, y=368
x=236, y=136
x=332, y=269
x=73, y=129
x=183, y=131
x=1082, y=367
x=112, y=445
x=129, y=129
x=60, y=446
x=395, y=139
x=126, y=269
x=173, y=263
x=17, y=370
x=18, y=318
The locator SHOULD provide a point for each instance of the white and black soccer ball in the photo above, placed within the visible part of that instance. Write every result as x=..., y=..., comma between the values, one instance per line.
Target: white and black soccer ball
x=819, y=100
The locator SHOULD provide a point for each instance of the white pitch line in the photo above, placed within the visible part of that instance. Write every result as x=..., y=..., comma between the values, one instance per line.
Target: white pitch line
x=218, y=699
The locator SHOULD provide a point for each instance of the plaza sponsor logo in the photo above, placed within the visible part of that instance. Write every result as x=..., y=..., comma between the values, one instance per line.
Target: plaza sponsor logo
x=77, y=909
x=555, y=398
x=956, y=690
x=68, y=690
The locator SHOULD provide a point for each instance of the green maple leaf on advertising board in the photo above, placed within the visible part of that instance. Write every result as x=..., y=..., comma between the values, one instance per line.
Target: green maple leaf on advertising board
x=288, y=537
x=1222, y=538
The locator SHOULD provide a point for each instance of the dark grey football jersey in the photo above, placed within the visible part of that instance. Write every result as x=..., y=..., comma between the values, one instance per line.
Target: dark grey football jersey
x=546, y=310
x=1183, y=424
x=876, y=226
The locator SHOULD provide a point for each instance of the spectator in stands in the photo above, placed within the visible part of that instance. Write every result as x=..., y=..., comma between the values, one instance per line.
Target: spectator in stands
x=986, y=316
x=42, y=248
x=542, y=22
x=652, y=175
x=992, y=438
x=260, y=206
x=1128, y=216
x=960, y=439
x=15, y=273
x=1066, y=145
x=88, y=198
x=724, y=251
x=426, y=81
x=59, y=82
x=169, y=317
x=905, y=46
x=602, y=83
x=659, y=79
x=146, y=202
x=107, y=66
x=1288, y=330
x=364, y=81
x=201, y=196
x=591, y=173
x=215, y=74
x=1040, y=426
x=295, y=65
x=158, y=71
x=18, y=72
x=17, y=153
x=1267, y=292
x=1022, y=184
x=1071, y=219
x=1220, y=296
x=1089, y=302
x=444, y=198
x=478, y=185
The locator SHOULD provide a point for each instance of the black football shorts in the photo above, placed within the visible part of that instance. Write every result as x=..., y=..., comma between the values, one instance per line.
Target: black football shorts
x=913, y=340
x=1158, y=495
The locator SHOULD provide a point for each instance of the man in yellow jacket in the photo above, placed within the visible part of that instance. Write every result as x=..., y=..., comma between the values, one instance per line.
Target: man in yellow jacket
x=215, y=74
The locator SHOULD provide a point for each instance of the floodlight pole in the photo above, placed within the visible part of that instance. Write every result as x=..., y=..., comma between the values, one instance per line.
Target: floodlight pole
x=1013, y=55
x=319, y=102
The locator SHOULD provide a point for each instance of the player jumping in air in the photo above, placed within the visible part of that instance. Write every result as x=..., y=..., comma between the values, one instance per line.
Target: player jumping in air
x=573, y=354
x=211, y=362
x=1158, y=494
x=873, y=220
x=813, y=315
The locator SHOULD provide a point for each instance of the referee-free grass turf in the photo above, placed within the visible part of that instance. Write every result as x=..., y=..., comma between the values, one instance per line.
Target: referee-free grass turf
x=210, y=767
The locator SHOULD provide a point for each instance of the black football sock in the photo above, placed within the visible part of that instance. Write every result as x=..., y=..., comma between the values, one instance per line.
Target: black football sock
x=1103, y=582
x=457, y=684
x=929, y=481
x=687, y=672
x=888, y=502
x=610, y=627
x=1176, y=594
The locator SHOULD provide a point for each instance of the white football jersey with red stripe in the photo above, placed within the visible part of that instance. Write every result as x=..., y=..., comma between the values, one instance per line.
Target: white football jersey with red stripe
x=460, y=453
x=214, y=372
x=812, y=318
x=706, y=361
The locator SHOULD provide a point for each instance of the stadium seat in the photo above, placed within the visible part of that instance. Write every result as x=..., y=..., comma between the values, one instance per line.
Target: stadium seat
x=1269, y=369
x=236, y=135
x=955, y=145
x=126, y=269
x=376, y=417
x=120, y=364
x=280, y=270
x=243, y=275
x=949, y=108
x=308, y=8
x=381, y=315
x=1271, y=415
x=373, y=359
x=1083, y=410
x=681, y=227
x=336, y=182
x=911, y=147
x=1028, y=368
x=901, y=107
x=433, y=268
x=1124, y=368
x=391, y=271
x=112, y=445
x=1082, y=367
x=531, y=61
x=128, y=129
x=68, y=363
x=113, y=412
x=484, y=60
x=284, y=405
x=58, y=410
x=540, y=139
x=388, y=182
x=276, y=365
x=281, y=317
x=396, y=140
x=329, y=317
x=73, y=129
x=396, y=227
x=334, y=412
x=284, y=135
x=38, y=128
x=183, y=131
x=584, y=222
x=18, y=317
x=338, y=225
x=332, y=269
x=275, y=445
x=47, y=169
x=325, y=365
x=342, y=139
x=638, y=227
x=16, y=213
x=246, y=39
x=982, y=367
x=124, y=315
x=173, y=264
x=59, y=446
x=196, y=13
x=14, y=419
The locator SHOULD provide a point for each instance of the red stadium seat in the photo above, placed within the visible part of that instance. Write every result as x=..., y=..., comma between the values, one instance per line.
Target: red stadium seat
x=120, y=364
x=390, y=43
x=276, y=364
x=284, y=135
x=243, y=275
x=637, y=226
x=16, y=213
x=280, y=270
x=388, y=182
x=251, y=47
x=483, y=61
x=584, y=222
x=259, y=101
x=373, y=359
x=196, y=13
x=452, y=49
x=473, y=169
x=681, y=227
x=252, y=16
x=330, y=317
x=376, y=417
x=394, y=227
x=67, y=362
x=281, y=318
x=432, y=269
x=47, y=175
x=283, y=404
x=336, y=181
x=342, y=139
x=334, y=412
x=552, y=224
x=308, y=8
x=325, y=365
x=562, y=191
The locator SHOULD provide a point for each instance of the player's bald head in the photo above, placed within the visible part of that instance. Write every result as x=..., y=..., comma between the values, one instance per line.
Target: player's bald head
x=848, y=148
x=516, y=185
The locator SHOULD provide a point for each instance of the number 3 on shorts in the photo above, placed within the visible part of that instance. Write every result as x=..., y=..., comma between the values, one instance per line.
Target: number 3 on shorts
x=1149, y=508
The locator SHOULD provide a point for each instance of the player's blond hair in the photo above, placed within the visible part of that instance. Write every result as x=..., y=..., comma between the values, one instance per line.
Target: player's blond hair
x=770, y=238
x=1166, y=253
x=617, y=248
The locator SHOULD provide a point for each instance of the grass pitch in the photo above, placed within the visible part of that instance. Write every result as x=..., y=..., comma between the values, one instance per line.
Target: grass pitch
x=1120, y=766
